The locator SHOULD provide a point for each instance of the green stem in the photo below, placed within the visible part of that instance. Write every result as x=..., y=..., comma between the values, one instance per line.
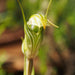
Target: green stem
x=28, y=65
x=48, y=8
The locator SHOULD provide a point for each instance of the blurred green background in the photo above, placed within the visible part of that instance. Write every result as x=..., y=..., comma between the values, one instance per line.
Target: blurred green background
x=57, y=53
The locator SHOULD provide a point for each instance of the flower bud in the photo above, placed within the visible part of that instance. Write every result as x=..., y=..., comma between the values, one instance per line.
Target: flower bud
x=33, y=35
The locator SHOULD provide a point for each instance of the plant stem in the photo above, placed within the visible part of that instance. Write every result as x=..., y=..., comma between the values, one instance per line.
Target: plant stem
x=28, y=65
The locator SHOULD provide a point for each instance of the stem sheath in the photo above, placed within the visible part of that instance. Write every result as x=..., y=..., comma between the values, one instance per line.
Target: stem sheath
x=28, y=65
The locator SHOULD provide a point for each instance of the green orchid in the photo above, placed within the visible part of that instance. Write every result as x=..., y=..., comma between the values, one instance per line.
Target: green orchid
x=33, y=29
